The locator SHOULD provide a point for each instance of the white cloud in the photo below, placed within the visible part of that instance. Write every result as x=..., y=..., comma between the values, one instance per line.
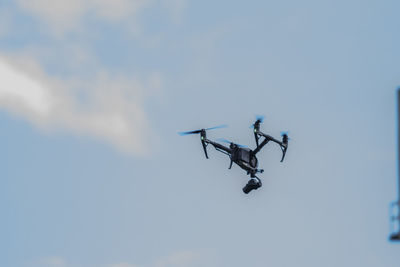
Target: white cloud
x=5, y=22
x=19, y=90
x=53, y=262
x=178, y=259
x=88, y=100
x=63, y=16
x=176, y=8
x=58, y=14
x=124, y=265
x=116, y=9
x=108, y=108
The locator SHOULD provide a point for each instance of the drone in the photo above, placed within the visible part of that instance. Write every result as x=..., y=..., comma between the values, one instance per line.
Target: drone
x=241, y=155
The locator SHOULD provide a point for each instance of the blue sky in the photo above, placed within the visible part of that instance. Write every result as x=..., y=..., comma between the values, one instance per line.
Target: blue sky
x=92, y=96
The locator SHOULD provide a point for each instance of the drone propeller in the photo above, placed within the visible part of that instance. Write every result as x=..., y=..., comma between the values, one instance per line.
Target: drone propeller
x=259, y=119
x=199, y=131
x=285, y=133
x=229, y=142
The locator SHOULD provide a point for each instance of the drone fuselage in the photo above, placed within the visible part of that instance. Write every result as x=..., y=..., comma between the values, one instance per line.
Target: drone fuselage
x=245, y=158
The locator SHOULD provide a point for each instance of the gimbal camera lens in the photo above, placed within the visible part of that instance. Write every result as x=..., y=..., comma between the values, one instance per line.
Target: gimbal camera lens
x=252, y=184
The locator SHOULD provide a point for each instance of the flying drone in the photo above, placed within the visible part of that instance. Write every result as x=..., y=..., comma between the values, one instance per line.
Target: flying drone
x=241, y=155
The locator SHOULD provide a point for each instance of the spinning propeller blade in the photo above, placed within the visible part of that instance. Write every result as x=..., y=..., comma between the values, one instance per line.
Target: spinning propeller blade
x=259, y=119
x=191, y=132
x=199, y=131
x=217, y=127
x=285, y=133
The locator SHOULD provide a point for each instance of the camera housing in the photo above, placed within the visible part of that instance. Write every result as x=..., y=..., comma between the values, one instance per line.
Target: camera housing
x=252, y=184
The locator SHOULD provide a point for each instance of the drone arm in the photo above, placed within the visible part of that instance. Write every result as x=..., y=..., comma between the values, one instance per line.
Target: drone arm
x=225, y=150
x=256, y=137
x=259, y=147
x=220, y=147
x=204, y=147
x=283, y=144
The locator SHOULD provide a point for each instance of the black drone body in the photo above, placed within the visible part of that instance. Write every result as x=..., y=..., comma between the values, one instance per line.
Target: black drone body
x=244, y=157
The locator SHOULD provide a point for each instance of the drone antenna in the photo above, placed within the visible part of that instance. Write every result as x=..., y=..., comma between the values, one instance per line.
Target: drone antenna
x=395, y=206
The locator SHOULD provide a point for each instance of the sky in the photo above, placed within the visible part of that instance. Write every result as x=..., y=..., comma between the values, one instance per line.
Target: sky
x=94, y=174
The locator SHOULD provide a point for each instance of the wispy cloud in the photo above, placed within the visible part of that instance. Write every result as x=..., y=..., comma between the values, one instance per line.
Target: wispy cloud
x=176, y=8
x=108, y=107
x=176, y=259
x=179, y=259
x=22, y=93
x=87, y=98
x=64, y=16
x=5, y=22
x=53, y=262
x=124, y=265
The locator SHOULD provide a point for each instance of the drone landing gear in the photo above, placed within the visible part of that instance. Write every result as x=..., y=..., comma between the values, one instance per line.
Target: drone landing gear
x=253, y=183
